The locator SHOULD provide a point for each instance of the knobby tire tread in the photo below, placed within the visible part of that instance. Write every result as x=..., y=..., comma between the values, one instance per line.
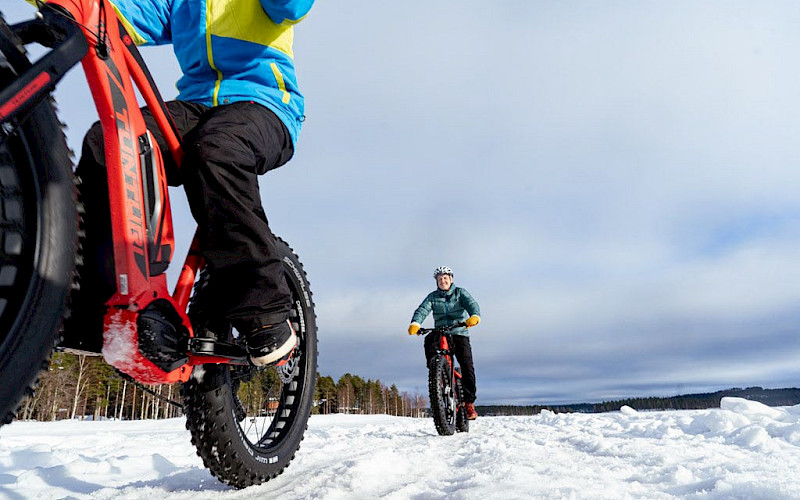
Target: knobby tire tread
x=39, y=154
x=210, y=413
x=462, y=422
x=437, y=369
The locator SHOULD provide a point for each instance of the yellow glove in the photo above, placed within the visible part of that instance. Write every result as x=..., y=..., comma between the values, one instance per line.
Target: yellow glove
x=472, y=321
x=413, y=328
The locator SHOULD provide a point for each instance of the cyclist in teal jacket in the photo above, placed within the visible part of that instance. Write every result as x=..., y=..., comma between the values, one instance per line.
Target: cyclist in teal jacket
x=239, y=112
x=450, y=305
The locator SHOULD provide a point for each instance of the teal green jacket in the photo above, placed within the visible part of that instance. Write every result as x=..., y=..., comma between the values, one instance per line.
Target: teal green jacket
x=449, y=308
x=228, y=50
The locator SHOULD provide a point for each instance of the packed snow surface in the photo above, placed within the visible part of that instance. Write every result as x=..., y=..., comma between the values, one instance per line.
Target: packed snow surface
x=741, y=450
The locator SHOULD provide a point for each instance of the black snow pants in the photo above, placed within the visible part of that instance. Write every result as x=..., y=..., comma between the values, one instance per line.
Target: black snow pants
x=226, y=148
x=463, y=353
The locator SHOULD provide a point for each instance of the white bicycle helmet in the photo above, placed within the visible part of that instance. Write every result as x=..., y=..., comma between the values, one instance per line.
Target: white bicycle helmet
x=442, y=270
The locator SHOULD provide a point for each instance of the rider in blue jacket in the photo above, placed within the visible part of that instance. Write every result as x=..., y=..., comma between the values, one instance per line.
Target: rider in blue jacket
x=239, y=112
x=451, y=305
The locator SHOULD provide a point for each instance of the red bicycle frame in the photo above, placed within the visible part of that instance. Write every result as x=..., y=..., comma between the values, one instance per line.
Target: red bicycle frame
x=445, y=348
x=141, y=220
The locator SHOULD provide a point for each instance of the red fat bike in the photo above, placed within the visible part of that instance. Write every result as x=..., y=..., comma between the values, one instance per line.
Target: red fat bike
x=444, y=384
x=246, y=422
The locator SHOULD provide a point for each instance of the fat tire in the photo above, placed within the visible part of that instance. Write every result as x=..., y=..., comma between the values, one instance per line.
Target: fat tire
x=462, y=422
x=438, y=384
x=38, y=248
x=213, y=416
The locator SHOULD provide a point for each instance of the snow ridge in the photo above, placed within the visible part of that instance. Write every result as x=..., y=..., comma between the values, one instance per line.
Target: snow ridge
x=741, y=450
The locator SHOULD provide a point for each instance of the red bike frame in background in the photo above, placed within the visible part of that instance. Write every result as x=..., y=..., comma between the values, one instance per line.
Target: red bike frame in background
x=445, y=347
x=143, y=239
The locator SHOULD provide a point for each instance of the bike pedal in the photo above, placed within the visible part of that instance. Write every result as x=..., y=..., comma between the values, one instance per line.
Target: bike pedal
x=202, y=346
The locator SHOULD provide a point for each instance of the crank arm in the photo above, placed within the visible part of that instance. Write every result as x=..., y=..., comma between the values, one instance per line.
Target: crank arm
x=205, y=347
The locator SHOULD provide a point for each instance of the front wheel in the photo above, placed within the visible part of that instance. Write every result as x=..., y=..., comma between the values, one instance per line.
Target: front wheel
x=247, y=422
x=38, y=245
x=462, y=422
x=442, y=395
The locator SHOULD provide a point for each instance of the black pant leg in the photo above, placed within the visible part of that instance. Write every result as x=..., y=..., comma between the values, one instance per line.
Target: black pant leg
x=226, y=148
x=430, y=348
x=185, y=116
x=463, y=352
x=224, y=155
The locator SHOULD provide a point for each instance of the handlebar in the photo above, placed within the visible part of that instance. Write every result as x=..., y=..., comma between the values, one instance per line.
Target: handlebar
x=39, y=79
x=440, y=329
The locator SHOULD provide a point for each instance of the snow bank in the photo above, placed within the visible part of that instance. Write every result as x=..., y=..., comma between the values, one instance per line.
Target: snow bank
x=742, y=450
x=749, y=424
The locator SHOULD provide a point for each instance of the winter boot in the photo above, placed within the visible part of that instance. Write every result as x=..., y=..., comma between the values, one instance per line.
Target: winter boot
x=271, y=345
x=472, y=414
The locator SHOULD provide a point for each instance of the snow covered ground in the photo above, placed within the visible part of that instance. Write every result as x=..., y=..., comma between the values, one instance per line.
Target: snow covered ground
x=743, y=450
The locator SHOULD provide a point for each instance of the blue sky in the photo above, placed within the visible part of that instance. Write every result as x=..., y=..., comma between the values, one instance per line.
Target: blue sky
x=615, y=182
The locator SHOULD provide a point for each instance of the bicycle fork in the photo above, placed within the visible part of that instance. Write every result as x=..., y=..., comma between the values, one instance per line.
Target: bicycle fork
x=454, y=399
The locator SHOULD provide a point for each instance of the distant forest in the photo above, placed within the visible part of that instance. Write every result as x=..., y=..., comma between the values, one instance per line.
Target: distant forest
x=86, y=387
x=769, y=397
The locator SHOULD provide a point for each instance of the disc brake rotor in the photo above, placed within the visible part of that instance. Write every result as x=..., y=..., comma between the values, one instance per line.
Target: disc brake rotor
x=288, y=371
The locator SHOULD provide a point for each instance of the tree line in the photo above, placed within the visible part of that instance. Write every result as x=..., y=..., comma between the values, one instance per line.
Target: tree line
x=769, y=397
x=702, y=401
x=80, y=386
x=355, y=395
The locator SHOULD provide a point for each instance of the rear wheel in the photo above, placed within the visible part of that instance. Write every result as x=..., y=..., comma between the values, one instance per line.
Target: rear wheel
x=462, y=423
x=442, y=395
x=246, y=422
x=38, y=240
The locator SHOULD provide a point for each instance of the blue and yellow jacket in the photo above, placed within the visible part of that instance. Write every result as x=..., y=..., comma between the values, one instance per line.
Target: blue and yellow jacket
x=449, y=308
x=228, y=50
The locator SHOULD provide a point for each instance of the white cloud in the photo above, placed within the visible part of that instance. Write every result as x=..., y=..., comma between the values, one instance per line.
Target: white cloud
x=615, y=179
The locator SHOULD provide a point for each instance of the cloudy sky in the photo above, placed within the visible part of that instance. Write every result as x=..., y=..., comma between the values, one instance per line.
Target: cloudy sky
x=617, y=183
